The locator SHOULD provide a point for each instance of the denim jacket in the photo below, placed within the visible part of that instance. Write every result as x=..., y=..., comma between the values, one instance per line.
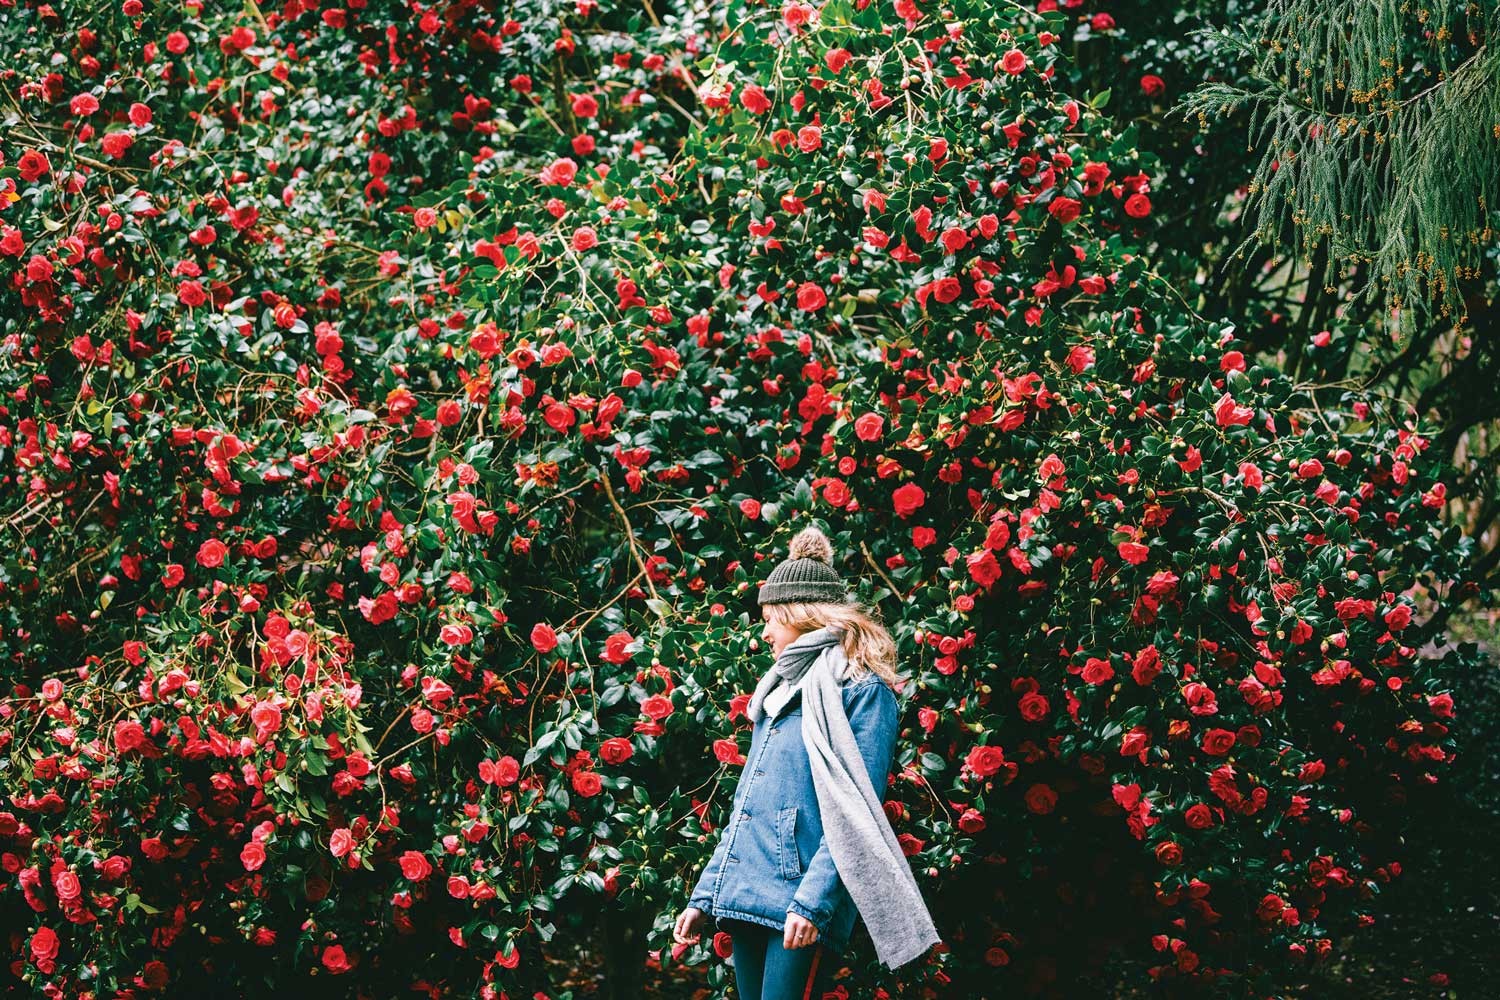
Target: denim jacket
x=771, y=859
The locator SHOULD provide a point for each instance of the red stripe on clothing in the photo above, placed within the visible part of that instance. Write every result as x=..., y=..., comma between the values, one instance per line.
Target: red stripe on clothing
x=812, y=973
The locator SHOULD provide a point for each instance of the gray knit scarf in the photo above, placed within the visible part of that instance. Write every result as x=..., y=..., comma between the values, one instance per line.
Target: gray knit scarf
x=865, y=852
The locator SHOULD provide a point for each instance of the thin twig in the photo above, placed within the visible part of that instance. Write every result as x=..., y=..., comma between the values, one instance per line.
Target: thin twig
x=635, y=548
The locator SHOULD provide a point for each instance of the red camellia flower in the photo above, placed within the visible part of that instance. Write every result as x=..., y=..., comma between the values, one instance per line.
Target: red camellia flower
x=456, y=634
x=836, y=493
x=1097, y=671
x=797, y=14
x=908, y=499
x=1137, y=206
x=947, y=288
x=587, y=783
x=191, y=294
x=1034, y=707
x=1310, y=469
x=39, y=269
x=810, y=297
x=1135, y=741
x=1270, y=908
x=1228, y=413
x=617, y=647
x=560, y=172
x=33, y=165
x=1134, y=552
x=984, y=761
x=1040, y=798
x=869, y=426
x=1064, y=210
x=340, y=842
x=335, y=960
x=1152, y=85
x=543, y=638
x=615, y=750
x=559, y=416
x=754, y=100
x=266, y=717
x=507, y=770
x=728, y=751
x=1169, y=853
x=65, y=883
x=253, y=855
x=983, y=567
x=584, y=237
x=414, y=865
x=1013, y=62
x=129, y=735
x=1146, y=665
x=155, y=975
x=1218, y=741
x=44, y=946
x=1199, y=816
x=117, y=144
x=211, y=553
x=657, y=707
x=809, y=138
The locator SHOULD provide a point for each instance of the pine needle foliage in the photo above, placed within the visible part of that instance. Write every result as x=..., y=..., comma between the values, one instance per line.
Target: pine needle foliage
x=1379, y=122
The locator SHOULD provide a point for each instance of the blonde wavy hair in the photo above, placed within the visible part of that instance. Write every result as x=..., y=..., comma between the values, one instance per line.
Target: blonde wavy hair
x=867, y=644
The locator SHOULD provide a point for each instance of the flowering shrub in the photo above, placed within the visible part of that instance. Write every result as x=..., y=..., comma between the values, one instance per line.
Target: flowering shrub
x=399, y=402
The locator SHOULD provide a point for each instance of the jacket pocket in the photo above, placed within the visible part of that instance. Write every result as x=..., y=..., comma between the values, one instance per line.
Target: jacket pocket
x=786, y=837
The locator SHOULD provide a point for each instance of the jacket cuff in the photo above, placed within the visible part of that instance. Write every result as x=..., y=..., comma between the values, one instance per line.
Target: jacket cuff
x=819, y=920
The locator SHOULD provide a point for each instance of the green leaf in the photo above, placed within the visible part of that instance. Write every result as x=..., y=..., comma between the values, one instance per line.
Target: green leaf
x=133, y=902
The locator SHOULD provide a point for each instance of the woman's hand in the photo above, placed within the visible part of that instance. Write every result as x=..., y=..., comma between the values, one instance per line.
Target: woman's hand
x=799, y=932
x=689, y=927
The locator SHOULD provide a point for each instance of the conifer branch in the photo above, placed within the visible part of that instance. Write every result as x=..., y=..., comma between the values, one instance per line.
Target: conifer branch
x=1379, y=127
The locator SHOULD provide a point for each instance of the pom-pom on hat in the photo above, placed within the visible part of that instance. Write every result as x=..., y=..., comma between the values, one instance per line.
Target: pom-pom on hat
x=807, y=574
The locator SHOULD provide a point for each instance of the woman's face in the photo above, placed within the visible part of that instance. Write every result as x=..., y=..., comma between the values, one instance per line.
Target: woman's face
x=779, y=636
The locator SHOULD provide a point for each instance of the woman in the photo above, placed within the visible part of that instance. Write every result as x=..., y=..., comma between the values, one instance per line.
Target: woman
x=808, y=844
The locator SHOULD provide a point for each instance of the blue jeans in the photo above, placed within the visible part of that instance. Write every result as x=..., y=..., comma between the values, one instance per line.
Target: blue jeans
x=764, y=970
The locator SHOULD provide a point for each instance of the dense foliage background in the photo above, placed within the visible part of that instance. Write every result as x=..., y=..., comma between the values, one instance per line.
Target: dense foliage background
x=400, y=402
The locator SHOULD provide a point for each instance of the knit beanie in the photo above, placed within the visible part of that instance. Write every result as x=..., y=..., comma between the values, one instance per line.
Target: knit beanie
x=807, y=574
